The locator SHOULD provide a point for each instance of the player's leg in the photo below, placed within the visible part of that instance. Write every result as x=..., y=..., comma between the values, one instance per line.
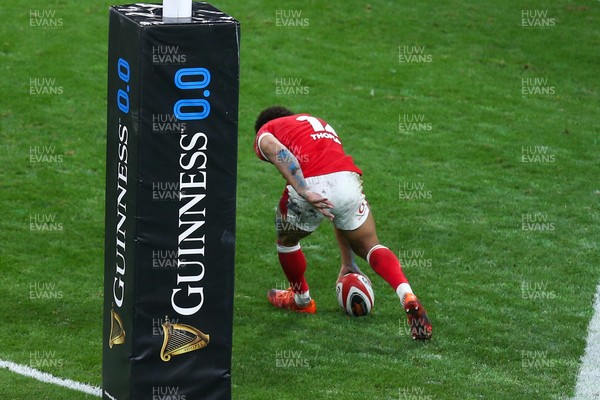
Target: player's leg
x=356, y=223
x=291, y=228
x=348, y=260
x=384, y=262
x=289, y=251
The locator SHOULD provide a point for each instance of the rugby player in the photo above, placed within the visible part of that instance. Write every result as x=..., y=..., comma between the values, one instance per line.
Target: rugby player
x=323, y=182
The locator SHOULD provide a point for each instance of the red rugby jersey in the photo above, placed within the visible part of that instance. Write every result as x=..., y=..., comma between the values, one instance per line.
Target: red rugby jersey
x=312, y=140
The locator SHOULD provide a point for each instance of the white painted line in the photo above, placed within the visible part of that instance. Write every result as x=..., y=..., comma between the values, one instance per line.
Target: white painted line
x=48, y=378
x=587, y=387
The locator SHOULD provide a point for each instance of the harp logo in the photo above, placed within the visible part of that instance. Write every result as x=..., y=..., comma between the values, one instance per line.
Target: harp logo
x=117, y=333
x=180, y=339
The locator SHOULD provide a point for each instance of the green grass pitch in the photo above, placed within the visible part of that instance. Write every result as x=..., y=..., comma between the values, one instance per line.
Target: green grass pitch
x=476, y=126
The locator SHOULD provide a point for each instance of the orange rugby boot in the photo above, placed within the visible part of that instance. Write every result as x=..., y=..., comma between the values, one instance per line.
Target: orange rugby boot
x=285, y=299
x=420, y=326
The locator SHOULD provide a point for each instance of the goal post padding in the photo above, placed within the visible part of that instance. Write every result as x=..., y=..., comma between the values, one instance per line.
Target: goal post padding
x=171, y=168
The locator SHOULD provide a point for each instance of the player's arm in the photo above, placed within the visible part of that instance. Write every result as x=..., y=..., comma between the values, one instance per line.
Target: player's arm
x=289, y=167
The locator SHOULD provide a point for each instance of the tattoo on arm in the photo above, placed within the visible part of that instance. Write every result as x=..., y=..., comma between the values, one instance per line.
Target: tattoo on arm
x=290, y=163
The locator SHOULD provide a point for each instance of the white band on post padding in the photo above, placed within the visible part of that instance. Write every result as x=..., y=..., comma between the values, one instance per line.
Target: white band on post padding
x=377, y=246
x=284, y=249
x=177, y=8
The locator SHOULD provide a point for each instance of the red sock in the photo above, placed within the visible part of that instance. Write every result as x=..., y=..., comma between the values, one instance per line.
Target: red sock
x=385, y=263
x=293, y=262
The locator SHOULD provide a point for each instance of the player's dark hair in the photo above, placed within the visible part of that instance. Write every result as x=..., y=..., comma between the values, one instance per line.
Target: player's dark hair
x=271, y=113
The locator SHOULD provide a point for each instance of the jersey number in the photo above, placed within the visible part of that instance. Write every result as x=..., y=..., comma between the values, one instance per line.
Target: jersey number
x=321, y=132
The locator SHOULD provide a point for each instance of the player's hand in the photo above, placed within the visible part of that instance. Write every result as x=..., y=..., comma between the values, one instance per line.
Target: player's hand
x=350, y=268
x=320, y=203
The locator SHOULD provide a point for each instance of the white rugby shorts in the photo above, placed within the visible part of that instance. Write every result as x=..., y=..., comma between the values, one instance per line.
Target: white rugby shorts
x=343, y=189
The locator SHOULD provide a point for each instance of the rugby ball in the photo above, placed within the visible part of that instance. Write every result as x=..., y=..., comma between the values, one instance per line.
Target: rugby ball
x=355, y=294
